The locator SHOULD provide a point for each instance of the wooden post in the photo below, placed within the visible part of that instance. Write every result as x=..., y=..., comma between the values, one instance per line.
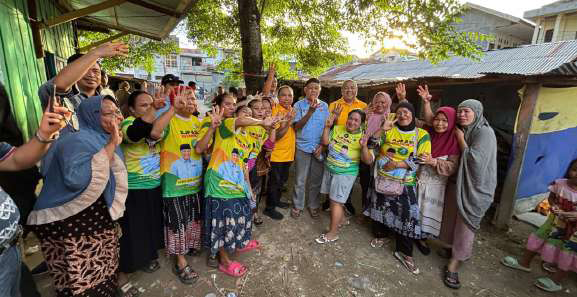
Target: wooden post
x=523, y=127
x=35, y=29
x=81, y=12
x=103, y=41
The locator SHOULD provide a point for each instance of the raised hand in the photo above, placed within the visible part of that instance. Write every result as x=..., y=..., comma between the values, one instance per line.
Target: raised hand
x=330, y=120
x=364, y=140
x=180, y=99
x=111, y=49
x=338, y=109
x=159, y=100
x=401, y=91
x=388, y=124
x=216, y=116
x=424, y=93
x=52, y=122
x=314, y=106
x=268, y=122
x=116, y=135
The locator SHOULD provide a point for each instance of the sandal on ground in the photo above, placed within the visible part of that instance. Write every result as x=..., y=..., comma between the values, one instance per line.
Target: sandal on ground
x=512, y=262
x=322, y=239
x=295, y=213
x=549, y=267
x=151, y=267
x=547, y=284
x=234, y=269
x=377, y=243
x=345, y=223
x=212, y=261
x=407, y=262
x=451, y=279
x=251, y=245
x=423, y=247
x=257, y=221
x=128, y=290
x=186, y=275
x=314, y=212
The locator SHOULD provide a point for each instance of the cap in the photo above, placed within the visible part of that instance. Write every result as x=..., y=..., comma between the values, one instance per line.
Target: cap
x=170, y=78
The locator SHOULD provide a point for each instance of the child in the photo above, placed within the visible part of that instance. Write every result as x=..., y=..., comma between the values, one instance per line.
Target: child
x=342, y=167
x=556, y=239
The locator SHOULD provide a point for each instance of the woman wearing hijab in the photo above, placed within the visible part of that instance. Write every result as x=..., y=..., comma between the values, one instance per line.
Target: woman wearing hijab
x=393, y=198
x=83, y=194
x=434, y=176
x=476, y=182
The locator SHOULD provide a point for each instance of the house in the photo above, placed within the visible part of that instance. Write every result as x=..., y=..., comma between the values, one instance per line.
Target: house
x=37, y=36
x=525, y=93
x=507, y=30
x=190, y=65
x=554, y=22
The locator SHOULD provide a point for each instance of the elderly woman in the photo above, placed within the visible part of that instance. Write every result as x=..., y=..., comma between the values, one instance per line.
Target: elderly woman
x=393, y=199
x=476, y=182
x=83, y=194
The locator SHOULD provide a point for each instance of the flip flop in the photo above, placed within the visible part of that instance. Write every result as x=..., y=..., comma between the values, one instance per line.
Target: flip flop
x=512, y=262
x=451, y=279
x=547, y=284
x=323, y=239
x=409, y=264
x=234, y=269
x=549, y=267
x=377, y=243
x=252, y=245
x=314, y=212
x=186, y=275
x=295, y=213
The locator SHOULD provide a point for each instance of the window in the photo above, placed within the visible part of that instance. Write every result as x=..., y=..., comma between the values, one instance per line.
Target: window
x=491, y=46
x=548, y=35
x=170, y=61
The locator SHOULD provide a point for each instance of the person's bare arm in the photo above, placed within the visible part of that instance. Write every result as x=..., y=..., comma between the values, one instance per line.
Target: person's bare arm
x=74, y=71
x=426, y=98
x=366, y=154
x=216, y=117
x=30, y=153
x=266, y=90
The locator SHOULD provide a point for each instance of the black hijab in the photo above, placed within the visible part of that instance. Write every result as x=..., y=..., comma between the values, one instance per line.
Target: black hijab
x=411, y=108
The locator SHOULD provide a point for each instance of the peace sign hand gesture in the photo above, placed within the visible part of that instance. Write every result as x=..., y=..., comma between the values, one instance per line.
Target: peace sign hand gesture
x=314, y=106
x=338, y=109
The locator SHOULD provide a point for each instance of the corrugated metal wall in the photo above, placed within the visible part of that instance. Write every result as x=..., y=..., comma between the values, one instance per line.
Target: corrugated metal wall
x=20, y=71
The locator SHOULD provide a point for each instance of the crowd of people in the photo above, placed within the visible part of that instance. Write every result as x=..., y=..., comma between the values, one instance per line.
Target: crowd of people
x=120, y=187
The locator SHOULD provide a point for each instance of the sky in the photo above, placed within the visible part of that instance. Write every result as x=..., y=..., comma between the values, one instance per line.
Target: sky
x=358, y=48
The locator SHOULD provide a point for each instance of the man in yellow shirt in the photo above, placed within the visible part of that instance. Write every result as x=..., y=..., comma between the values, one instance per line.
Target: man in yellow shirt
x=348, y=101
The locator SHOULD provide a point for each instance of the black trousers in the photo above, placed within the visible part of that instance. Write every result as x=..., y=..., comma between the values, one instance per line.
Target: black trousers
x=365, y=176
x=278, y=175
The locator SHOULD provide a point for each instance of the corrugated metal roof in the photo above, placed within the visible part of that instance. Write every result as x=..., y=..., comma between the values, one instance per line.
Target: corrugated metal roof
x=541, y=59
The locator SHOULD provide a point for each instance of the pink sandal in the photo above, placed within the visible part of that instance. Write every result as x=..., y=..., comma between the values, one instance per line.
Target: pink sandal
x=252, y=245
x=234, y=269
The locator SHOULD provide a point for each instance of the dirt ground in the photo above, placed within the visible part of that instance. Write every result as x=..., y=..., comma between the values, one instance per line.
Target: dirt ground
x=291, y=264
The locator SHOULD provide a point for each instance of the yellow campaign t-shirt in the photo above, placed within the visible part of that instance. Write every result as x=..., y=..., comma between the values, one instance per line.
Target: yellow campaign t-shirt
x=398, y=146
x=180, y=165
x=255, y=138
x=224, y=177
x=142, y=159
x=284, y=148
x=344, y=151
x=356, y=104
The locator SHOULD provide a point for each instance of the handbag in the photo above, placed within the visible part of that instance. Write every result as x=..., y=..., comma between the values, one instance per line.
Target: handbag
x=389, y=186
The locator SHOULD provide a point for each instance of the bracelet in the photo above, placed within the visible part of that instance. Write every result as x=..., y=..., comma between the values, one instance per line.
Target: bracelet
x=42, y=140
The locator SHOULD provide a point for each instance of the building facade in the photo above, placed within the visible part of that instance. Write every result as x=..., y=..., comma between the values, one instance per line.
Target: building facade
x=554, y=22
x=506, y=30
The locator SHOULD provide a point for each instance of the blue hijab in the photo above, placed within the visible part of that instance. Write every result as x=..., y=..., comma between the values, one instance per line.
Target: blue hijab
x=69, y=170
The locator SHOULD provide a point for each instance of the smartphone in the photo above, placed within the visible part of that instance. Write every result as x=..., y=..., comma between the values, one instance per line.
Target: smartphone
x=52, y=99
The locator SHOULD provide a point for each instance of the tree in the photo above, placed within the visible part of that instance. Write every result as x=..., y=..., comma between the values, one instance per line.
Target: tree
x=310, y=32
x=141, y=50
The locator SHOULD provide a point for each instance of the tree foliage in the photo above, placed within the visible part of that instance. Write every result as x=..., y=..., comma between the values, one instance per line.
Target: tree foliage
x=142, y=50
x=309, y=33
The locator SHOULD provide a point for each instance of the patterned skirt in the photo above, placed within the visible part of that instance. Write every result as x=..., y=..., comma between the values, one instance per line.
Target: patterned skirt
x=548, y=242
x=399, y=213
x=182, y=224
x=227, y=223
x=82, y=252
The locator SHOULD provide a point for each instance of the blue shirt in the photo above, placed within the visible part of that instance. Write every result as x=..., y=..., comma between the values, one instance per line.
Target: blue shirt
x=186, y=168
x=9, y=215
x=309, y=137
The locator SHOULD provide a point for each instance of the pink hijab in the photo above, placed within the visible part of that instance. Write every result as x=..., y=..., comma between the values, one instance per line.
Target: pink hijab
x=445, y=144
x=376, y=120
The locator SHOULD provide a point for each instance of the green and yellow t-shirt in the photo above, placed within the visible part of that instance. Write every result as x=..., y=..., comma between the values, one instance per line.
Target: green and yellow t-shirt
x=257, y=135
x=142, y=159
x=180, y=165
x=224, y=177
x=344, y=151
x=398, y=146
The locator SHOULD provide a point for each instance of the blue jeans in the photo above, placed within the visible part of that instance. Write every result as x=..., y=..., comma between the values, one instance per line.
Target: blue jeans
x=11, y=262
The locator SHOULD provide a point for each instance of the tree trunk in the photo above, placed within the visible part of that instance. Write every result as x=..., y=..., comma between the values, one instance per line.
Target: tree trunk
x=252, y=60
